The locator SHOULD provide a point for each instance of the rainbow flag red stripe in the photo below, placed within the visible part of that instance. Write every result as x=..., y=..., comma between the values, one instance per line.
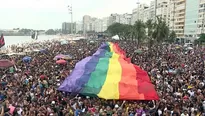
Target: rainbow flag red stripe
x=109, y=75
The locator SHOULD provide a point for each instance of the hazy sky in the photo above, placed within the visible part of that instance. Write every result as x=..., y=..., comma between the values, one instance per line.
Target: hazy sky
x=45, y=14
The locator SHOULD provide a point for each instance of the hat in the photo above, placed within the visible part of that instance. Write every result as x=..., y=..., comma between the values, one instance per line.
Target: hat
x=185, y=97
x=87, y=97
x=116, y=106
x=53, y=102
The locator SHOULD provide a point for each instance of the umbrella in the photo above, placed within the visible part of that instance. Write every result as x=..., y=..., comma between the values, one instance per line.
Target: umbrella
x=189, y=48
x=138, y=51
x=61, y=62
x=58, y=56
x=6, y=63
x=36, y=50
x=26, y=59
x=64, y=42
x=43, y=51
x=67, y=57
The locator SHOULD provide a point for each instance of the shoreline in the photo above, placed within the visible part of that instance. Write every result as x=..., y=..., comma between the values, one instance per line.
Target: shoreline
x=57, y=38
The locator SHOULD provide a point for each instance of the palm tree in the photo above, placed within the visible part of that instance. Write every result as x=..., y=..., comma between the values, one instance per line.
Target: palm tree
x=150, y=30
x=172, y=37
x=150, y=27
x=161, y=31
x=139, y=31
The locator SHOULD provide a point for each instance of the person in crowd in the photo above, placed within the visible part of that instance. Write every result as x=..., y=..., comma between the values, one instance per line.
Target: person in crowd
x=30, y=89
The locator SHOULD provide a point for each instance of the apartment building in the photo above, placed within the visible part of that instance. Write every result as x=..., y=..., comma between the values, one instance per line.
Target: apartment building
x=146, y=14
x=125, y=18
x=105, y=23
x=162, y=10
x=201, y=18
x=66, y=27
x=86, y=23
x=193, y=19
x=79, y=26
x=139, y=13
x=152, y=10
x=98, y=25
x=179, y=17
x=113, y=18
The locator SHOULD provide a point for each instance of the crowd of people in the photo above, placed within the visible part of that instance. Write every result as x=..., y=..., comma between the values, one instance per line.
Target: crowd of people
x=30, y=88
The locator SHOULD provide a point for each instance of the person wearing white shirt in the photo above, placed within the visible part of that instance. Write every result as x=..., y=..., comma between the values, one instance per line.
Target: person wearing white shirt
x=191, y=93
x=185, y=113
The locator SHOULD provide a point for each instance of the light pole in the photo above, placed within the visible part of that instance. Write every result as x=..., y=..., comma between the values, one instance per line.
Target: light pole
x=70, y=9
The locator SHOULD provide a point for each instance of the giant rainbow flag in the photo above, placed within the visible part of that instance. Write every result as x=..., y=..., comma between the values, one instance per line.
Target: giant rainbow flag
x=109, y=75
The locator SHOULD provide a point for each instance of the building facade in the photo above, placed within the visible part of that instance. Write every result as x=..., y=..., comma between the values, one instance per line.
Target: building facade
x=105, y=21
x=162, y=10
x=125, y=18
x=179, y=17
x=139, y=13
x=201, y=18
x=113, y=18
x=79, y=27
x=86, y=23
x=152, y=10
x=66, y=28
x=191, y=19
x=98, y=25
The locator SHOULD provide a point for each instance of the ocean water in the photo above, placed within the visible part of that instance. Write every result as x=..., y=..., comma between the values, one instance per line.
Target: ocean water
x=10, y=40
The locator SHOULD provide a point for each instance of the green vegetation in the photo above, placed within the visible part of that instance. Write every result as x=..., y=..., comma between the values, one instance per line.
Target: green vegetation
x=53, y=32
x=28, y=32
x=202, y=38
x=140, y=32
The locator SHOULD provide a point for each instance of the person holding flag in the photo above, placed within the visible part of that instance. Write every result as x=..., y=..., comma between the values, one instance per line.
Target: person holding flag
x=34, y=35
x=2, y=42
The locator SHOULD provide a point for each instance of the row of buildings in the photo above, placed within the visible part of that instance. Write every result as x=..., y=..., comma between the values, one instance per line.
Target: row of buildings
x=185, y=17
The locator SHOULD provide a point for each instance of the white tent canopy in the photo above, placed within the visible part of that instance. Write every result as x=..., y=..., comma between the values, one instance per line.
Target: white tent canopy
x=116, y=37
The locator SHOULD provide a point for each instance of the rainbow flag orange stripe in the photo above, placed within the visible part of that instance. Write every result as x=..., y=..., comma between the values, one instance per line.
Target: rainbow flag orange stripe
x=109, y=75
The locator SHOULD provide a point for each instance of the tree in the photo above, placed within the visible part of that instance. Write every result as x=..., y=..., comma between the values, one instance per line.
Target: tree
x=150, y=30
x=50, y=32
x=114, y=29
x=150, y=27
x=139, y=31
x=202, y=38
x=122, y=30
x=161, y=31
x=126, y=31
x=172, y=37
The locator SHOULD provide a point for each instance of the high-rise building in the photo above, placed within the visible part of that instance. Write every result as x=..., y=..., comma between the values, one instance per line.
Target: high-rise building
x=162, y=10
x=66, y=28
x=98, y=25
x=139, y=13
x=178, y=17
x=152, y=10
x=86, y=23
x=193, y=20
x=125, y=18
x=79, y=27
x=114, y=18
x=201, y=18
x=105, y=21
x=146, y=15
